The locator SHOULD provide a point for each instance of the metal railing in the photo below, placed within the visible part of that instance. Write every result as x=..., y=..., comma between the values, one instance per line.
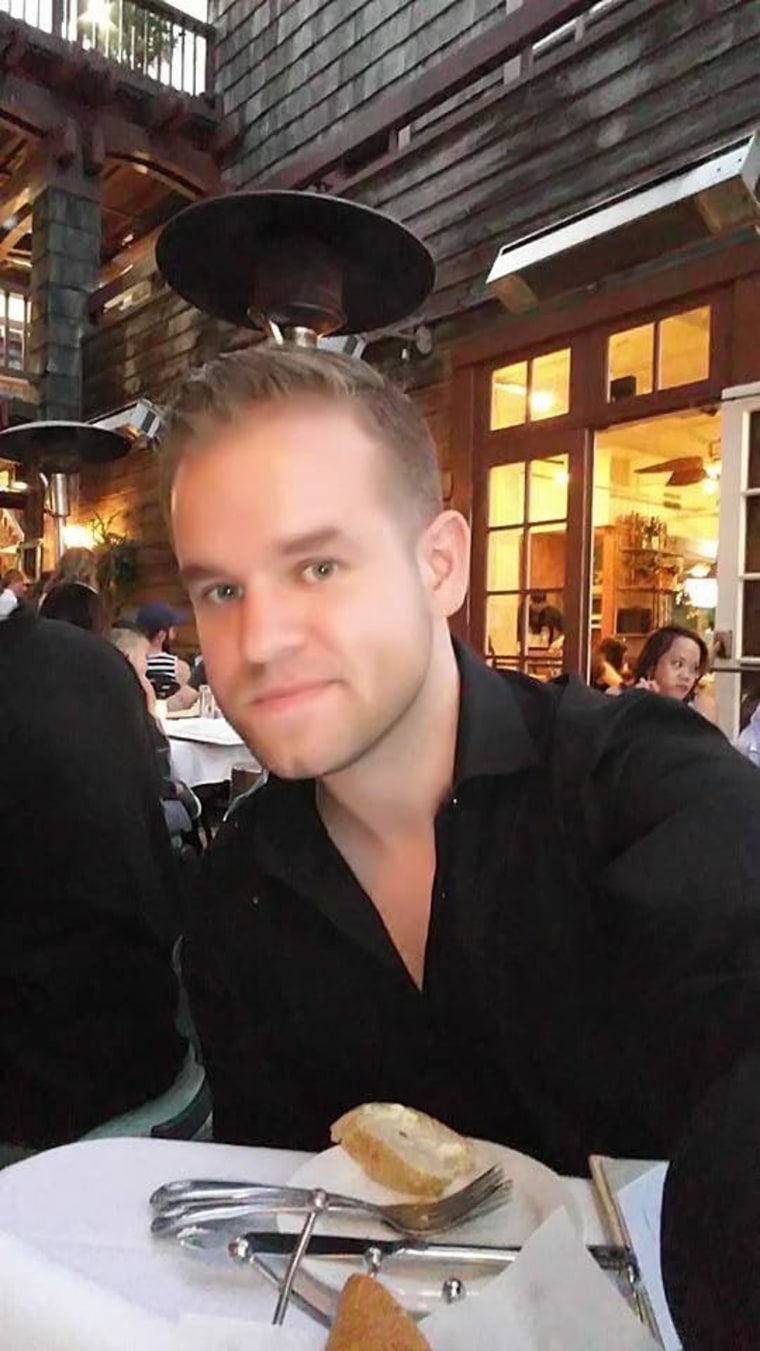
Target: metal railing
x=149, y=37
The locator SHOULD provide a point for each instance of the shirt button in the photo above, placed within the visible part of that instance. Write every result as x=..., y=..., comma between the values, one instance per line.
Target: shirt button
x=254, y=900
x=455, y=802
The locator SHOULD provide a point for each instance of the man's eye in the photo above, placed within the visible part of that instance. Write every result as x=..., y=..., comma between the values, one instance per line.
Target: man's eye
x=222, y=593
x=320, y=571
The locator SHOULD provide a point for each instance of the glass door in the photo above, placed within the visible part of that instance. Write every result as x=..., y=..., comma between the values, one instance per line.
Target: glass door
x=528, y=555
x=737, y=626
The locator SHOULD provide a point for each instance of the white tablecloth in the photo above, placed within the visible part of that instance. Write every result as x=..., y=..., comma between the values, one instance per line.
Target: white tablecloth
x=85, y=1206
x=204, y=750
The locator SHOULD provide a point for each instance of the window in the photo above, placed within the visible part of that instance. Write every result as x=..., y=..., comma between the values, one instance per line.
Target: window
x=531, y=391
x=525, y=565
x=14, y=319
x=673, y=351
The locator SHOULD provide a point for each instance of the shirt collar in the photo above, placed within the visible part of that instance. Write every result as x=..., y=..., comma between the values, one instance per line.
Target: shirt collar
x=493, y=737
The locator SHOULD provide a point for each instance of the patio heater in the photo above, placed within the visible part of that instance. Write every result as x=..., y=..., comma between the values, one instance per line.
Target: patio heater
x=55, y=451
x=297, y=266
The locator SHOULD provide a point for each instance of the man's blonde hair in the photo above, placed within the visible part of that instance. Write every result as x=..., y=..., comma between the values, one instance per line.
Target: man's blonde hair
x=229, y=388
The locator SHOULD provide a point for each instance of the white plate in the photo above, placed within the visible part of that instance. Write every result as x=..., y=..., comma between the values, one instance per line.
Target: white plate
x=537, y=1192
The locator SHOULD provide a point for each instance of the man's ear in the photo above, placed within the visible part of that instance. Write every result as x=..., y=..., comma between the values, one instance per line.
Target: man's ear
x=445, y=556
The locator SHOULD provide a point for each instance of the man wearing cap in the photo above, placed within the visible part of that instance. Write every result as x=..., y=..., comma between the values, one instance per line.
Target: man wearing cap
x=167, y=673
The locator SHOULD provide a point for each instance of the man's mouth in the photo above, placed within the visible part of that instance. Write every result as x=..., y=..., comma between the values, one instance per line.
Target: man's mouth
x=282, y=698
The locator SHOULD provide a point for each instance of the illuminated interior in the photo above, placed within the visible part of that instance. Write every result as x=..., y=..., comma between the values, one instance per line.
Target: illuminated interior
x=675, y=351
x=531, y=391
x=655, y=516
x=526, y=564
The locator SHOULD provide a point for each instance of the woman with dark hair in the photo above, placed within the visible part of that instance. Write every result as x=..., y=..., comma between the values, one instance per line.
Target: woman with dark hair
x=673, y=661
x=76, y=603
x=609, y=669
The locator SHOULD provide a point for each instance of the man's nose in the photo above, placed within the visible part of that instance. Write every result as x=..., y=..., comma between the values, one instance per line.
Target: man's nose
x=270, y=625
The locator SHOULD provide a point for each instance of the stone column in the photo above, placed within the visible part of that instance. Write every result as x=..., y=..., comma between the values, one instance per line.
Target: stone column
x=66, y=232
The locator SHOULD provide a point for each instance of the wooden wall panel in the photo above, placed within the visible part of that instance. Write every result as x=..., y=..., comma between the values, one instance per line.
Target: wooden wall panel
x=651, y=85
x=141, y=354
x=294, y=70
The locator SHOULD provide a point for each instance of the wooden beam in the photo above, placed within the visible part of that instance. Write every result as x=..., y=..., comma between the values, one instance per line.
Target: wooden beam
x=170, y=157
x=15, y=234
x=389, y=112
x=129, y=258
x=141, y=270
x=19, y=191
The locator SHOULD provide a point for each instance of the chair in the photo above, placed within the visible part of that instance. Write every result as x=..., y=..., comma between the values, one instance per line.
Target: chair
x=183, y=1112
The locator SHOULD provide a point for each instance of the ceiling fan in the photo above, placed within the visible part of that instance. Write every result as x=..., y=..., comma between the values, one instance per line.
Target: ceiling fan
x=686, y=470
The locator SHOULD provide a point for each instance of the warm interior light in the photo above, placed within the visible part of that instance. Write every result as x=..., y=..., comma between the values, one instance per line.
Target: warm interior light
x=97, y=15
x=702, y=592
x=77, y=536
x=709, y=485
x=562, y=477
x=541, y=401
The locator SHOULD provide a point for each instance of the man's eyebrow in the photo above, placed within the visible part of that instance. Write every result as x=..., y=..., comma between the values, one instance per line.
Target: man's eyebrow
x=293, y=547
x=311, y=542
x=198, y=572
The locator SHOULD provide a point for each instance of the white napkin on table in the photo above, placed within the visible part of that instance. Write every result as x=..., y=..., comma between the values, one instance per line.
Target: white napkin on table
x=554, y=1297
x=46, y=1307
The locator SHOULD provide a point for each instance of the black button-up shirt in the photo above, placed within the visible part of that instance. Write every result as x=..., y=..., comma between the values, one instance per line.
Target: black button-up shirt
x=593, y=958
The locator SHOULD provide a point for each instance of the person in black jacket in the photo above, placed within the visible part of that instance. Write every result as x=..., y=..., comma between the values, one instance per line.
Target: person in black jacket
x=526, y=908
x=89, y=910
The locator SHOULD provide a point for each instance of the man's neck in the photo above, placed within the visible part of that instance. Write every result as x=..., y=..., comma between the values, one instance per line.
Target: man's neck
x=396, y=790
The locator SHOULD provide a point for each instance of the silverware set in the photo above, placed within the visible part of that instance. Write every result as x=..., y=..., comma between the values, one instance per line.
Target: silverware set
x=202, y=1213
x=205, y=1204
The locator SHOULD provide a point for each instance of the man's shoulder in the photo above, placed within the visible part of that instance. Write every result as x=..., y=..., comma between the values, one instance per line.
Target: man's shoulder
x=578, y=727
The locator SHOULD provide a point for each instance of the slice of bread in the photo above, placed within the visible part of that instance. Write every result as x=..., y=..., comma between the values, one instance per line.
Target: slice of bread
x=402, y=1148
x=369, y=1319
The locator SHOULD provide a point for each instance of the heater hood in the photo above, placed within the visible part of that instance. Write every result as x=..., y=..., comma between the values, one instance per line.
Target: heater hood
x=716, y=195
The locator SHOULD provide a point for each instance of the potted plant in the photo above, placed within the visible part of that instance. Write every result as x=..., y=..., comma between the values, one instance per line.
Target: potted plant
x=118, y=563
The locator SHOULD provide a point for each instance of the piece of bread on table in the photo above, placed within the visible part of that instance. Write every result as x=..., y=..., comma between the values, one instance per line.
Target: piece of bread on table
x=369, y=1319
x=402, y=1148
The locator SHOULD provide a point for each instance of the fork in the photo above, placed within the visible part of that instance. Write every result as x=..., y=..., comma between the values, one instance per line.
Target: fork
x=182, y=1205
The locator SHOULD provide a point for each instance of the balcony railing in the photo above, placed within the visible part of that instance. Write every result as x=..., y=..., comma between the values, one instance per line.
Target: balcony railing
x=148, y=36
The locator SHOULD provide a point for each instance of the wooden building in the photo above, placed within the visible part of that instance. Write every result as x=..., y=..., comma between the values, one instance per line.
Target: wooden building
x=558, y=392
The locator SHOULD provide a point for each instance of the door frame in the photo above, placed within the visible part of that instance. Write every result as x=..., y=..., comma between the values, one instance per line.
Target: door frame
x=737, y=405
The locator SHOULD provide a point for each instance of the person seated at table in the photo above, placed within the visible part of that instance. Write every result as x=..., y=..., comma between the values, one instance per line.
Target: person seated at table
x=89, y=907
x=168, y=674
x=76, y=603
x=15, y=582
x=673, y=662
x=609, y=667
x=180, y=805
x=12, y=588
x=74, y=565
x=527, y=909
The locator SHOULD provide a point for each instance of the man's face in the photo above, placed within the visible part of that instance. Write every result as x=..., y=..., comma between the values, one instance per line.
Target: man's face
x=311, y=593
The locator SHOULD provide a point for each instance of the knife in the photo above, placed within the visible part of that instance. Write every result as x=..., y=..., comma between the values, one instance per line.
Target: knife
x=375, y=1253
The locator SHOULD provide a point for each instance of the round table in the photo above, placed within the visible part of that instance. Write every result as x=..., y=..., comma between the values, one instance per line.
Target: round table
x=204, y=750
x=85, y=1207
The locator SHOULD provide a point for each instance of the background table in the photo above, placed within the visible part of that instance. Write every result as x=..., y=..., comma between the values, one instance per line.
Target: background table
x=203, y=750
x=86, y=1207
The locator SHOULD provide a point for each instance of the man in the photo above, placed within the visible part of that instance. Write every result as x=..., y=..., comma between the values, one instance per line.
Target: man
x=13, y=585
x=89, y=910
x=525, y=908
x=167, y=673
